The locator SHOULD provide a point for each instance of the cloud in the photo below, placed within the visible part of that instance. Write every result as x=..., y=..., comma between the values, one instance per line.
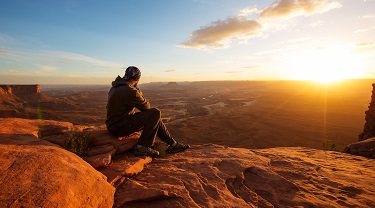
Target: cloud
x=293, y=8
x=219, y=33
x=365, y=44
x=368, y=16
x=170, y=70
x=247, y=11
x=317, y=23
x=53, y=56
x=251, y=67
x=233, y=72
x=65, y=56
x=45, y=68
x=5, y=38
x=365, y=48
x=4, y=51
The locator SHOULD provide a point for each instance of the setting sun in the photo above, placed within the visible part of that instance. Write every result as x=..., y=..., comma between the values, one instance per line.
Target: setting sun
x=325, y=65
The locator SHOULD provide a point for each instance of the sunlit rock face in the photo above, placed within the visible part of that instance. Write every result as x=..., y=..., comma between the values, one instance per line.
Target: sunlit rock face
x=369, y=128
x=37, y=173
x=20, y=89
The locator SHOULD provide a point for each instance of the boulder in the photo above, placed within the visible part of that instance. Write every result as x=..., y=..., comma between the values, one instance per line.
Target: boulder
x=37, y=173
x=365, y=148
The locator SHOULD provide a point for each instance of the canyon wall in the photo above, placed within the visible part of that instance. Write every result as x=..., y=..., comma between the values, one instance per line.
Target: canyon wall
x=369, y=128
x=19, y=89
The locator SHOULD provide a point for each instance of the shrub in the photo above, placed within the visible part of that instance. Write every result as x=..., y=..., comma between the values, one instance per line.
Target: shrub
x=329, y=145
x=78, y=142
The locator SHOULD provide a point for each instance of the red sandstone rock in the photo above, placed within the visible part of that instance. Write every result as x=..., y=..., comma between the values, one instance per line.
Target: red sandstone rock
x=37, y=127
x=365, y=148
x=36, y=173
x=20, y=89
x=100, y=136
x=100, y=161
x=125, y=165
x=217, y=176
x=103, y=145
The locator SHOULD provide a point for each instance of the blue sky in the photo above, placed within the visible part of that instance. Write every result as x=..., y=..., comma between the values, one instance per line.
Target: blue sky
x=90, y=42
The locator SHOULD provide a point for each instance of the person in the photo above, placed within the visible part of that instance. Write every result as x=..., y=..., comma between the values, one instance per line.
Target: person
x=122, y=120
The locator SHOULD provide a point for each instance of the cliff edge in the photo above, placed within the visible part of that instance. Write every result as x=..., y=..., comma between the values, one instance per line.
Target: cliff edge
x=37, y=173
x=369, y=127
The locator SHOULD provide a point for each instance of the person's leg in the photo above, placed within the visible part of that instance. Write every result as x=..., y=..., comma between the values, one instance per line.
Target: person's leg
x=151, y=123
x=147, y=120
x=166, y=137
x=164, y=134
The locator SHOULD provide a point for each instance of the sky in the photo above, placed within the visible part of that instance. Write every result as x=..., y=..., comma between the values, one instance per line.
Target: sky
x=93, y=41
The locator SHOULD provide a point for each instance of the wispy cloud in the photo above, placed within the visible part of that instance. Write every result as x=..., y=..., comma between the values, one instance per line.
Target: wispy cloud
x=293, y=8
x=317, y=23
x=368, y=16
x=46, y=68
x=367, y=48
x=234, y=72
x=66, y=57
x=365, y=44
x=53, y=56
x=4, y=51
x=245, y=12
x=219, y=33
x=5, y=38
x=251, y=67
x=170, y=70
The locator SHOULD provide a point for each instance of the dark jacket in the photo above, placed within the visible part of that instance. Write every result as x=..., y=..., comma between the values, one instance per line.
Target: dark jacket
x=122, y=101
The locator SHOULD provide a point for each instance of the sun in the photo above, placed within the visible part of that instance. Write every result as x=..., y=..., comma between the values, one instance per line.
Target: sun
x=324, y=65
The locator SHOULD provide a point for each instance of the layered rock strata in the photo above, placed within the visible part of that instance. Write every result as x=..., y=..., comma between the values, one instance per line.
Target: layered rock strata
x=19, y=89
x=103, y=146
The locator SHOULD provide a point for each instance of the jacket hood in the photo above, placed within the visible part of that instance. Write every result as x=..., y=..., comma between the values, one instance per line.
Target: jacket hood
x=119, y=81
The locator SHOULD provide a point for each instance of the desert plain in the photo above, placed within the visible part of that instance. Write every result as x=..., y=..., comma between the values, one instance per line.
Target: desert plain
x=246, y=114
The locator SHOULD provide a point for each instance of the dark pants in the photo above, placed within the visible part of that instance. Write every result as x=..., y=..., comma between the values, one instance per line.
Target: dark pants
x=150, y=122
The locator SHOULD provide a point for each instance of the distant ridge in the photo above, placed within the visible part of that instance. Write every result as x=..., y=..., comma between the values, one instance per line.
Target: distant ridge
x=19, y=89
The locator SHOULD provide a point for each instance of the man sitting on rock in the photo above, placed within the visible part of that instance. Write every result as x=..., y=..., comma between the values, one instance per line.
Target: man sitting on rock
x=122, y=120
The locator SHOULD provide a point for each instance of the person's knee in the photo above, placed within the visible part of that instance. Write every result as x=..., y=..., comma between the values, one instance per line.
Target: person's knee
x=155, y=113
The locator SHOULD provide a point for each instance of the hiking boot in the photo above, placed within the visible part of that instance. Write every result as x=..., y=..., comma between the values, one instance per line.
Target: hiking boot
x=177, y=148
x=140, y=150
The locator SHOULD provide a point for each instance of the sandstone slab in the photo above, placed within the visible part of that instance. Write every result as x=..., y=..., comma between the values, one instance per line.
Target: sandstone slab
x=100, y=136
x=216, y=176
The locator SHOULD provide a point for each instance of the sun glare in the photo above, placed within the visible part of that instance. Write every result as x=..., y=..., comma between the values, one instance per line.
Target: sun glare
x=324, y=65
